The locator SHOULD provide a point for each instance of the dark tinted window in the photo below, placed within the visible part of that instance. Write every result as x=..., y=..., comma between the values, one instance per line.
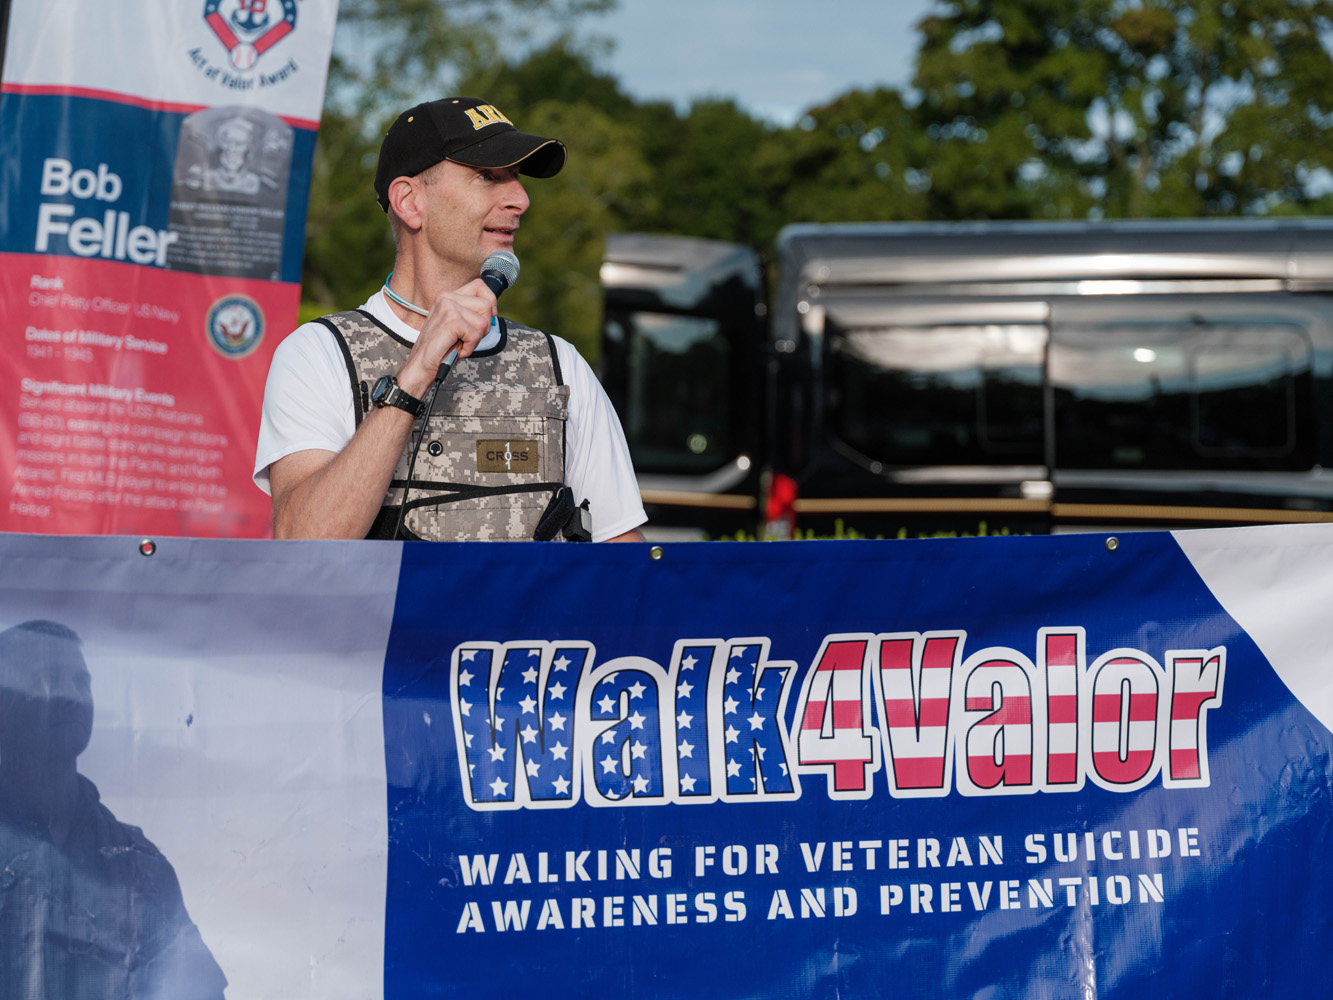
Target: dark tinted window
x=1183, y=395
x=676, y=405
x=944, y=395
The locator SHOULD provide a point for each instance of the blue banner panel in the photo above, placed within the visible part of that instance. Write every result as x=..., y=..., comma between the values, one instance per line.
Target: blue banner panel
x=997, y=767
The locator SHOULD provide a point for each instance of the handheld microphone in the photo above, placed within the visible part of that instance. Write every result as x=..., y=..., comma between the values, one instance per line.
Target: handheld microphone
x=499, y=271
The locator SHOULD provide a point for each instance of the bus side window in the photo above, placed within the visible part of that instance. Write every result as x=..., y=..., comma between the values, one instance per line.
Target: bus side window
x=1184, y=394
x=938, y=395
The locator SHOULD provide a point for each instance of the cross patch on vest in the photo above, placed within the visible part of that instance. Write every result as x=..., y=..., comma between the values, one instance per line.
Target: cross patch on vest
x=507, y=456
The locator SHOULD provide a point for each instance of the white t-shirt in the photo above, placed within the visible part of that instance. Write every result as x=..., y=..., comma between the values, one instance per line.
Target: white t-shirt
x=308, y=405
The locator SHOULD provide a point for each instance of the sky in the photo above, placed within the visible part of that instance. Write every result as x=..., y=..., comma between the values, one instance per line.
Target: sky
x=775, y=58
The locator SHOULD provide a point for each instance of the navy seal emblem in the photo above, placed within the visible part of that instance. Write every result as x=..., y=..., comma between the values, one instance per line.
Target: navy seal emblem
x=235, y=325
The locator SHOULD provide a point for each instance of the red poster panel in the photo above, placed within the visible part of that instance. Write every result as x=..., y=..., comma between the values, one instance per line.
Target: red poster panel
x=134, y=397
x=152, y=217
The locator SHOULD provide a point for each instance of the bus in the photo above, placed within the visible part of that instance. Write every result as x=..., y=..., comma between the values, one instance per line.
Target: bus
x=683, y=347
x=918, y=379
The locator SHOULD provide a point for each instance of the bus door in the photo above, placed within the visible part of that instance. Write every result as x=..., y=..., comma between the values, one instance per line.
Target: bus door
x=681, y=364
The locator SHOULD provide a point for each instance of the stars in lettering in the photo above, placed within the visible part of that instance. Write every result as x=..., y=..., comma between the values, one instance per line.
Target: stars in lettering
x=746, y=666
x=756, y=755
x=691, y=684
x=629, y=752
x=767, y=742
x=733, y=735
x=525, y=754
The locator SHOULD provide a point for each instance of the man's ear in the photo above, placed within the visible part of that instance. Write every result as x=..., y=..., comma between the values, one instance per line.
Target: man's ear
x=405, y=201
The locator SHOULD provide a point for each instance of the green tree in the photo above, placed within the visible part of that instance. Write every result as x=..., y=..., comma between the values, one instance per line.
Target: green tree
x=389, y=54
x=860, y=157
x=709, y=172
x=1125, y=107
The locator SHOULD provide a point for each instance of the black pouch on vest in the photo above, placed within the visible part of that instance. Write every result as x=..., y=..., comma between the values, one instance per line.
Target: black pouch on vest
x=579, y=526
x=562, y=515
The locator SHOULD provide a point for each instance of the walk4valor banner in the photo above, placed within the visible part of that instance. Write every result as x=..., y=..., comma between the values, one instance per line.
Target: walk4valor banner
x=152, y=215
x=1006, y=767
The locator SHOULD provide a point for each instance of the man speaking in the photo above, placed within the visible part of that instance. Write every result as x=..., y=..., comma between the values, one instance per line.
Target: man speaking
x=422, y=415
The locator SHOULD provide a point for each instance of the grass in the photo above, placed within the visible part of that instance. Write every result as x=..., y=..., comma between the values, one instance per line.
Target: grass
x=842, y=532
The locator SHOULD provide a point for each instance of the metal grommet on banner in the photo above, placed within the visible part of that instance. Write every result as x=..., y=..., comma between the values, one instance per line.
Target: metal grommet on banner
x=1112, y=544
x=655, y=553
x=147, y=547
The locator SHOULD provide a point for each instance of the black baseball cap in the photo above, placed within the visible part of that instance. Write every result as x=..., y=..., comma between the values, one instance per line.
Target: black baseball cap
x=467, y=131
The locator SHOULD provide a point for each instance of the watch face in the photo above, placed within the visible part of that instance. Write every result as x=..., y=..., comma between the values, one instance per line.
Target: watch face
x=381, y=389
x=387, y=392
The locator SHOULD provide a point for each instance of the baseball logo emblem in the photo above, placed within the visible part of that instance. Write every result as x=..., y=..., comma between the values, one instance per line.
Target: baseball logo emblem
x=249, y=28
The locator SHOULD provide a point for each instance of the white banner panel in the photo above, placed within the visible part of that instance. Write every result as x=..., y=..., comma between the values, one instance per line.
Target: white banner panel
x=237, y=723
x=267, y=53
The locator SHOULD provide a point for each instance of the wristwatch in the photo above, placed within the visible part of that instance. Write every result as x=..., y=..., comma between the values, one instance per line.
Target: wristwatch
x=386, y=392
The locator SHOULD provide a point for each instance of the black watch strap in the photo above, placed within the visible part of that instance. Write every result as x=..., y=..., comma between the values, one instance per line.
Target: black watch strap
x=387, y=392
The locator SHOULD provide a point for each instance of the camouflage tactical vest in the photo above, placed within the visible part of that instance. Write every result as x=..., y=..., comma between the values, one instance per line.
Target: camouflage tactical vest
x=494, y=451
